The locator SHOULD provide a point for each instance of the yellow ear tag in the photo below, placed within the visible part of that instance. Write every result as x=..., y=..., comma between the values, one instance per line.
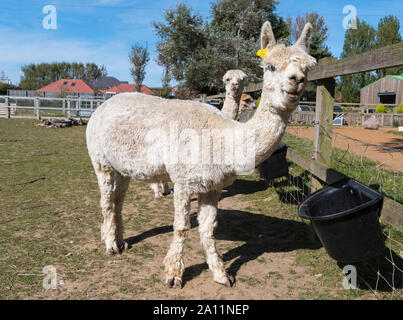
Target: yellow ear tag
x=263, y=53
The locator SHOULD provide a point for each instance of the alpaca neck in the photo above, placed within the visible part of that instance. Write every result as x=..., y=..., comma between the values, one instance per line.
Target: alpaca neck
x=268, y=126
x=231, y=105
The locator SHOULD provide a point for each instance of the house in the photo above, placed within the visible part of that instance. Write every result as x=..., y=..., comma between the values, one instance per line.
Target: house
x=127, y=87
x=103, y=83
x=66, y=87
x=388, y=90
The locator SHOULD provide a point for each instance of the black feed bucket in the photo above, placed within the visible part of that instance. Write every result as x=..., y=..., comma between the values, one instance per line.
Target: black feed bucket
x=276, y=165
x=345, y=216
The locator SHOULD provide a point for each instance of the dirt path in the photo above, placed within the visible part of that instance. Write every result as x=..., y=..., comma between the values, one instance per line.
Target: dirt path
x=389, y=159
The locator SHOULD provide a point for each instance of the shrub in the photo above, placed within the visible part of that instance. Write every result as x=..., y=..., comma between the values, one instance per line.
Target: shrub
x=380, y=109
x=400, y=108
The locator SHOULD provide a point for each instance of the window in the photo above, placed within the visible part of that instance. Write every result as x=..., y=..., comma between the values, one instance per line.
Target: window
x=65, y=83
x=73, y=84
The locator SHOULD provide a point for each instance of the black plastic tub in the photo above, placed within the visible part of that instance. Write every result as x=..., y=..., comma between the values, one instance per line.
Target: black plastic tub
x=276, y=165
x=345, y=217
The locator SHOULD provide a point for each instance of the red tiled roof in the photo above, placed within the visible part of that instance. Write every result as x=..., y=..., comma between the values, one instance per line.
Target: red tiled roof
x=126, y=87
x=69, y=85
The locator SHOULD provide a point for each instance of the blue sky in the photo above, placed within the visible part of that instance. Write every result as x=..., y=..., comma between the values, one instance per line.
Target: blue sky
x=102, y=31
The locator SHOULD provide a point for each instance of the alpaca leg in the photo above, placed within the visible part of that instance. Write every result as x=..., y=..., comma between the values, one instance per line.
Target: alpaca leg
x=173, y=261
x=160, y=189
x=207, y=222
x=157, y=190
x=105, y=177
x=121, y=186
x=165, y=189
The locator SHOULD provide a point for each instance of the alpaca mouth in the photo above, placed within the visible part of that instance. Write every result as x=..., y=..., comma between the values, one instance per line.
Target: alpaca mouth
x=292, y=94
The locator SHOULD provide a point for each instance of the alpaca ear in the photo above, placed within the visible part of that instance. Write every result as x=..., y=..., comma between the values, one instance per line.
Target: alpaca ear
x=267, y=36
x=305, y=38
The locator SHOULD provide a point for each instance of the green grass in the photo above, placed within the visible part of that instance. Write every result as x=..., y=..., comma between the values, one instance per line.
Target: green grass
x=399, y=133
x=49, y=215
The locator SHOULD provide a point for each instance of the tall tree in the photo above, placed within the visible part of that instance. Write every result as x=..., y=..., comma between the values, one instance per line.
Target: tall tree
x=180, y=35
x=318, y=48
x=387, y=34
x=357, y=41
x=139, y=58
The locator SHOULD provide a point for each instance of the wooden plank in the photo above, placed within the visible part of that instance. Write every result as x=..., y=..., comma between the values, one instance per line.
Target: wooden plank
x=390, y=56
x=319, y=170
x=392, y=211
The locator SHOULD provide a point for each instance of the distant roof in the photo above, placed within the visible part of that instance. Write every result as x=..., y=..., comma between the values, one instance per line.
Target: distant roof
x=389, y=76
x=126, y=87
x=68, y=85
x=104, y=83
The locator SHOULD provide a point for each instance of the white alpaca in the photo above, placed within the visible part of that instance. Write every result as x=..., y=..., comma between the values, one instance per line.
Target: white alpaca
x=124, y=141
x=234, y=81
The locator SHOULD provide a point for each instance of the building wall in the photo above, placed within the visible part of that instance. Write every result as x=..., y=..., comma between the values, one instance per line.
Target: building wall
x=370, y=94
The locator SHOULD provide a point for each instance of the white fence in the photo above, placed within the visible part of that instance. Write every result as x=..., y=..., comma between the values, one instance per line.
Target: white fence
x=37, y=107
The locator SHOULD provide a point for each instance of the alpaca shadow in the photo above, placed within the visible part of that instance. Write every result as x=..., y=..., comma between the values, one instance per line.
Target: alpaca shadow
x=378, y=273
x=241, y=186
x=260, y=234
x=156, y=231
x=300, y=190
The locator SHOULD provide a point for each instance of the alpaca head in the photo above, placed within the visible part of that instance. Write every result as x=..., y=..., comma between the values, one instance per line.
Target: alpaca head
x=235, y=81
x=285, y=69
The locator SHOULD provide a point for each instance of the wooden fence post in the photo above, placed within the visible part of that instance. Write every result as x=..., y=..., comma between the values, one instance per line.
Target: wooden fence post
x=68, y=108
x=322, y=149
x=36, y=108
x=8, y=110
x=64, y=107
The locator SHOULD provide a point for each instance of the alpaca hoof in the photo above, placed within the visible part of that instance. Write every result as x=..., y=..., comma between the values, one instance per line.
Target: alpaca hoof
x=112, y=251
x=117, y=248
x=227, y=280
x=230, y=281
x=123, y=246
x=174, y=283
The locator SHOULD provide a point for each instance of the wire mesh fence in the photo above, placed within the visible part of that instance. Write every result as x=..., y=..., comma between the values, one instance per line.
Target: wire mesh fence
x=373, y=157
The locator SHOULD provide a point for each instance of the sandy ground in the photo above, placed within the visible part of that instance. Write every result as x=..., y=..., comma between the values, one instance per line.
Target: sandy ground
x=389, y=159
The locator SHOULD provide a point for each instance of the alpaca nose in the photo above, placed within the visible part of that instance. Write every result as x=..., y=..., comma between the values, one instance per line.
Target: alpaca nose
x=296, y=79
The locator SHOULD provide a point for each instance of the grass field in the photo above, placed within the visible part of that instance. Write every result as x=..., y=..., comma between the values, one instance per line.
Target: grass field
x=49, y=215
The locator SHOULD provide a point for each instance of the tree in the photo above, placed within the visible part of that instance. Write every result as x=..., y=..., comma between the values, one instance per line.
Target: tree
x=181, y=35
x=36, y=76
x=139, y=58
x=198, y=54
x=318, y=49
x=387, y=34
x=357, y=41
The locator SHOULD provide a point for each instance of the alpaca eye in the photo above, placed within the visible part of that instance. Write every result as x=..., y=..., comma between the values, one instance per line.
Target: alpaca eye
x=271, y=68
